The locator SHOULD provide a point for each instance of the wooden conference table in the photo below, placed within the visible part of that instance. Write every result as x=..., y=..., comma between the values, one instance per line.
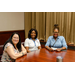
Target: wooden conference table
x=44, y=55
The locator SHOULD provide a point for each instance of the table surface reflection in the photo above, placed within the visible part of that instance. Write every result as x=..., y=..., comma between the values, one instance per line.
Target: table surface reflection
x=44, y=55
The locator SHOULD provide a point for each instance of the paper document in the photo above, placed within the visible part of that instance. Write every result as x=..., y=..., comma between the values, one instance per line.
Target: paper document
x=53, y=48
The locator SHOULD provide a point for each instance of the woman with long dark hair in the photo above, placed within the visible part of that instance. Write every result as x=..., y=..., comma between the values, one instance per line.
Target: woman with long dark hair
x=13, y=48
x=32, y=43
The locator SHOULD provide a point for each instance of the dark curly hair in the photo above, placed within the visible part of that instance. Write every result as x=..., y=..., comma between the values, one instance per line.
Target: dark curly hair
x=30, y=31
x=56, y=27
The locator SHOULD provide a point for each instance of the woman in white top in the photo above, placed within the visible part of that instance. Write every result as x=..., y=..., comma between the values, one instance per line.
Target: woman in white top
x=32, y=43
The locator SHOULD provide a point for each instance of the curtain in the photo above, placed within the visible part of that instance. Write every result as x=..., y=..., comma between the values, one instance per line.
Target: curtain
x=35, y=20
x=72, y=34
x=66, y=23
x=44, y=23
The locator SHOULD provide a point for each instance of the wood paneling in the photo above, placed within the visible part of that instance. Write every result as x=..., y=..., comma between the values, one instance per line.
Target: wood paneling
x=4, y=35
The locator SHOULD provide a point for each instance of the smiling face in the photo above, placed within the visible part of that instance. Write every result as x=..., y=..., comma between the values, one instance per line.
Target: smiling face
x=15, y=39
x=55, y=33
x=33, y=34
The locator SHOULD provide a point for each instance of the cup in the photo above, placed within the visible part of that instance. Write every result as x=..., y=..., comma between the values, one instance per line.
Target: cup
x=59, y=59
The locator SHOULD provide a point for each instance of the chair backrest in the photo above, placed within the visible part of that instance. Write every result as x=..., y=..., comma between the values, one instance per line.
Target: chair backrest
x=1, y=49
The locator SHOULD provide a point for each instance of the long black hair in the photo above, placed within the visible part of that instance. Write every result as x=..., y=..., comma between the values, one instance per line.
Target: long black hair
x=10, y=41
x=30, y=31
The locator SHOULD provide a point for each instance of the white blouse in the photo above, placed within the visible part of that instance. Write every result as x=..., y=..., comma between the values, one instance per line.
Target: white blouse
x=33, y=45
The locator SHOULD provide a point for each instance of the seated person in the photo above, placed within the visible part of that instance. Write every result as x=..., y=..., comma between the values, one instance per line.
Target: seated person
x=32, y=43
x=13, y=49
x=56, y=41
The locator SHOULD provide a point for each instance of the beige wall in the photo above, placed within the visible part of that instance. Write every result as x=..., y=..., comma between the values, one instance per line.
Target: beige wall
x=11, y=21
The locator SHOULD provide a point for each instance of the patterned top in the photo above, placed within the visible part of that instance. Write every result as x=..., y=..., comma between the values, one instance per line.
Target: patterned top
x=5, y=56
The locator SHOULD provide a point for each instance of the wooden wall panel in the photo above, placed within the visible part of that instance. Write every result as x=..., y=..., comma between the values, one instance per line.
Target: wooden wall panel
x=4, y=35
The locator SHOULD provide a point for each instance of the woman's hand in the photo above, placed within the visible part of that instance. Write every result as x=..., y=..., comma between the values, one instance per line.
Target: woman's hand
x=39, y=47
x=28, y=51
x=50, y=49
x=27, y=48
x=24, y=52
x=58, y=49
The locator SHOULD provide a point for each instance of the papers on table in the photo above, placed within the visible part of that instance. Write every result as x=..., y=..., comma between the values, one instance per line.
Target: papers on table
x=53, y=48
